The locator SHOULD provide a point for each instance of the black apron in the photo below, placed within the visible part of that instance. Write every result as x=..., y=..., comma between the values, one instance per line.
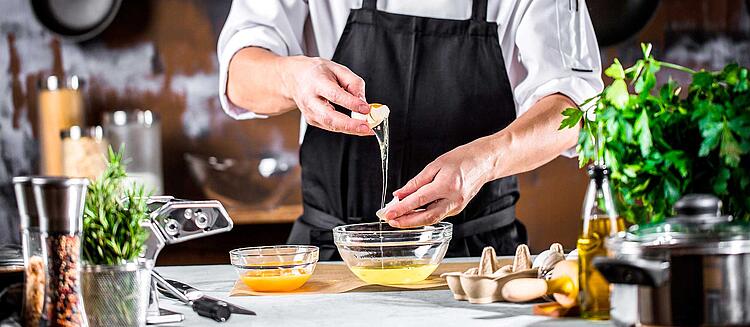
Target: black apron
x=446, y=85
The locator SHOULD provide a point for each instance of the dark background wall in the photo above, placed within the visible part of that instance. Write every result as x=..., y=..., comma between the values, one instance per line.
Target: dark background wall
x=160, y=55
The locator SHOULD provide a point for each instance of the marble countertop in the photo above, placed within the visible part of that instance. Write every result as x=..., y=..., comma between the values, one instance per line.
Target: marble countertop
x=397, y=308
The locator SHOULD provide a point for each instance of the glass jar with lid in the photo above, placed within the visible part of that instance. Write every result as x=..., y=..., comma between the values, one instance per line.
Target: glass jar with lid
x=84, y=151
x=60, y=104
x=139, y=132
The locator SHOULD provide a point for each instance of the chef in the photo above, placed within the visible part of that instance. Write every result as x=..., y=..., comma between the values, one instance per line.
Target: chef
x=475, y=87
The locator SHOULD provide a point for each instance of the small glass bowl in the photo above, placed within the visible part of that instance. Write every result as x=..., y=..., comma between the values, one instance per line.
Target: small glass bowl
x=380, y=254
x=279, y=268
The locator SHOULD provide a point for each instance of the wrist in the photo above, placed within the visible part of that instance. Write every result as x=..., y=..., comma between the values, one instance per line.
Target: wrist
x=496, y=147
x=285, y=67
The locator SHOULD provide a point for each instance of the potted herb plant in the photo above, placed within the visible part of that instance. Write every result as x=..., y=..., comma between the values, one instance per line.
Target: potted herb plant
x=664, y=141
x=115, y=283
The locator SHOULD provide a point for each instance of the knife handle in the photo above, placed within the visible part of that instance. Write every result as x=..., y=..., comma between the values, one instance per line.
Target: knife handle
x=216, y=310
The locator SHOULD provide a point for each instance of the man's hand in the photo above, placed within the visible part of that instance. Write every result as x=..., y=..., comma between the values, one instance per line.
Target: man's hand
x=315, y=83
x=445, y=186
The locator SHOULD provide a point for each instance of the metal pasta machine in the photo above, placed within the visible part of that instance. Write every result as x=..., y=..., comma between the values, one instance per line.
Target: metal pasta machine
x=174, y=221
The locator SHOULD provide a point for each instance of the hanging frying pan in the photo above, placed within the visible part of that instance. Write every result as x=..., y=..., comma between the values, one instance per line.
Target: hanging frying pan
x=617, y=21
x=75, y=20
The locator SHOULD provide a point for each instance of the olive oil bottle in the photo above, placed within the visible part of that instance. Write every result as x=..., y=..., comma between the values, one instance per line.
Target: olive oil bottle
x=600, y=220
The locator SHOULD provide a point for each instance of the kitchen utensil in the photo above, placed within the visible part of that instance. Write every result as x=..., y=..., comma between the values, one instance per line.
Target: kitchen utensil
x=562, y=285
x=280, y=268
x=692, y=269
x=34, y=251
x=139, y=132
x=60, y=203
x=391, y=255
x=205, y=306
x=617, y=21
x=60, y=107
x=193, y=295
x=75, y=20
x=174, y=221
x=262, y=183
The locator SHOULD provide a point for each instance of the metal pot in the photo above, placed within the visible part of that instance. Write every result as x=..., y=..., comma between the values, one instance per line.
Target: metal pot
x=691, y=270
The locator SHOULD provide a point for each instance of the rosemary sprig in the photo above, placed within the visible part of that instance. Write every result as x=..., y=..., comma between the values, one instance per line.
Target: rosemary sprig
x=112, y=232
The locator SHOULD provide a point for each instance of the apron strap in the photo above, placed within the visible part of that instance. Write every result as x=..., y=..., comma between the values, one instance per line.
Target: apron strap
x=478, y=10
x=370, y=4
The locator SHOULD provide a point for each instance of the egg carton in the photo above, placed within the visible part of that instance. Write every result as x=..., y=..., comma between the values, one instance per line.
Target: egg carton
x=484, y=284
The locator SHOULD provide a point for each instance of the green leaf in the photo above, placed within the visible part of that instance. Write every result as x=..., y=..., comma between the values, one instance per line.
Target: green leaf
x=646, y=49
x=572, y=118
x=711, y=139
x=671, y=190
x=702, y=80
x=644, y=133
x=617, y=93
x=720, y=183
x=615, y=70
x=730, y=149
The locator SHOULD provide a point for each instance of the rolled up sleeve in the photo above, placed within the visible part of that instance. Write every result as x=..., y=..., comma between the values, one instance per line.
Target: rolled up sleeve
x=276, y=25
x=558, y=52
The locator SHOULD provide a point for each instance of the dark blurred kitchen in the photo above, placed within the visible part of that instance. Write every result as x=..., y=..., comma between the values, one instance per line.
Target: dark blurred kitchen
x=158, y=58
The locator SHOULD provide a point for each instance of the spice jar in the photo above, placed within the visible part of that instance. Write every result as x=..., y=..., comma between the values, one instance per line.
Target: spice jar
x=60, y=107
x=34, y=252
x=139, y=132
x=60, y=202
x=84, y=152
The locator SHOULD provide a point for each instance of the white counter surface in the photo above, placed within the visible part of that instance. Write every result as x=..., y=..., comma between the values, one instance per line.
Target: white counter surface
x=398, y=308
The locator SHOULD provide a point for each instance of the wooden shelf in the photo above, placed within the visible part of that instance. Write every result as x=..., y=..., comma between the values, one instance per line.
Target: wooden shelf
x=284, y=214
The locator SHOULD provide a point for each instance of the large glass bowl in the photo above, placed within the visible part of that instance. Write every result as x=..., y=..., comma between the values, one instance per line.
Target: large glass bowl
x=380, y=254
x=280, y=268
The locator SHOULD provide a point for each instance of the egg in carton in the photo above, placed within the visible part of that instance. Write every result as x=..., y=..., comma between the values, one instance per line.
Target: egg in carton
x=483, y=284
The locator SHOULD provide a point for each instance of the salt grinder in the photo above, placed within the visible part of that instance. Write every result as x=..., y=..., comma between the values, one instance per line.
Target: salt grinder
x=34, y=251
x=60, y=202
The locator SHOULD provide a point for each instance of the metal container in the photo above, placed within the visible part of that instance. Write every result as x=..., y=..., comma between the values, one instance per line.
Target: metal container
x=139, y=131
x=691, y=270
x=117, y=295
x=60, y=202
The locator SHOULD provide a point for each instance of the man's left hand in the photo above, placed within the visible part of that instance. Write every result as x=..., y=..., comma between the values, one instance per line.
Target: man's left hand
x=444, y=186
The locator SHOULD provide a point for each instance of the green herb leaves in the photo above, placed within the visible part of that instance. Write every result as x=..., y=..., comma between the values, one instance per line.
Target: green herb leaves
x=661, y=144
x=112, y=232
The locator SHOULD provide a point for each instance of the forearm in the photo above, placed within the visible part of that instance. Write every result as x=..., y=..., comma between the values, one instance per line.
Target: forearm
x=256, y=82
x=531, y=140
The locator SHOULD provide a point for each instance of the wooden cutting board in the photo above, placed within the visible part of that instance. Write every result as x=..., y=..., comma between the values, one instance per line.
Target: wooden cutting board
x=330, y=278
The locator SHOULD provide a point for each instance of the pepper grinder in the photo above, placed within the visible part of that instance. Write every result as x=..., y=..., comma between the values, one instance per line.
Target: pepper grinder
x=60, y=202
x=34, y=230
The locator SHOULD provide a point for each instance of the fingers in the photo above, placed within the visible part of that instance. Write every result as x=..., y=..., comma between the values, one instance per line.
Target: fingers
x=424, y=177
x=322, y=114
x=331, y=91
x=435, y=213
x=349, y=81
x=422, y=197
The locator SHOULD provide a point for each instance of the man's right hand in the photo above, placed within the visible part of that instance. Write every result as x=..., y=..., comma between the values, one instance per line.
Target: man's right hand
x=315, y=83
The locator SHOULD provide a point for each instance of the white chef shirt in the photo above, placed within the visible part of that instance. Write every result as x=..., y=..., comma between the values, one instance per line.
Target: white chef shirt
x=549, y=46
